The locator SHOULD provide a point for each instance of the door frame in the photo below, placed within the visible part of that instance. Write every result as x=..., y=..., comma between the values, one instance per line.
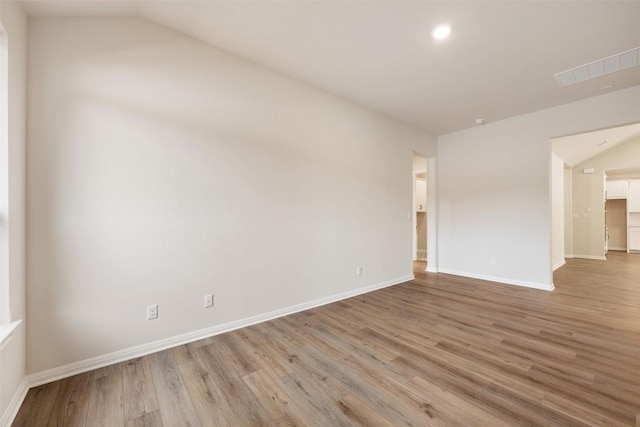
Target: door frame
x=432, y=213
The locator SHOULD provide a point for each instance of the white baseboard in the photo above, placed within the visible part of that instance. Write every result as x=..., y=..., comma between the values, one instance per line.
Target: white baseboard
x=14, y=406
x=431, y=269
x=568, y=256
x=611, y=248
x=75, y=368
x=533, y=285
x=558, y=265
x=596, y=257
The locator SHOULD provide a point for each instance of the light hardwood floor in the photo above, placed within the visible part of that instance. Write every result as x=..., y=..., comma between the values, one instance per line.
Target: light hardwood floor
x=438, y=351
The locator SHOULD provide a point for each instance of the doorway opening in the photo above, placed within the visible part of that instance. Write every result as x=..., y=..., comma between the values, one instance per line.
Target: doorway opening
x=420, y=208
x=424, y=214
x=419, y=213
x=600, y=204
x=615, y=224
x=622, y=210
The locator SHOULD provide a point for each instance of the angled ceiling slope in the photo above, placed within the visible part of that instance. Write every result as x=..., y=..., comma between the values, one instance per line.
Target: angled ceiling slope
x=499, y=61
x=575, y=149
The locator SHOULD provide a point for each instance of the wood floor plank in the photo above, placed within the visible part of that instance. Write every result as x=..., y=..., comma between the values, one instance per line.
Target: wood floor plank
x=106, y=399
x=317, y=409
x=139, y=390
x=353, y=340
x=520, y=410
x=176, y=408
x=269, y=354
x=280, y=408
x=72, y=403
x=583, y=413
x=452, y=410
x=416, y=402
x=617, y=410
x=149, y=419
x=362, y=414
x=226, y=375
x=208, y=399
x=38, y=405
x=387, y=405
x=439, y=350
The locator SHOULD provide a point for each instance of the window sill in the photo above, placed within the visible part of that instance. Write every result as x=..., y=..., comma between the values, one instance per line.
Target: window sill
x=6, y=331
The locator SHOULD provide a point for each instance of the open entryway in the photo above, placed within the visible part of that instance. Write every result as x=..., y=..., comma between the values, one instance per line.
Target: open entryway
x=423, y=213
x=595, y=187
x=420, y=208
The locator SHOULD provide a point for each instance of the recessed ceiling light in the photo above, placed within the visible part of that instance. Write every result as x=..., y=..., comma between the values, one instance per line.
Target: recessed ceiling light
x=441, y=32
x=480, y=121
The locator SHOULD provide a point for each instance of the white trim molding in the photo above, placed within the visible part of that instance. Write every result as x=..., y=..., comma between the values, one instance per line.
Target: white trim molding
x=6, y=331
x=79, y=367
x=533, y=285
x=558, y=265
x=14, y=406
x=596, y=257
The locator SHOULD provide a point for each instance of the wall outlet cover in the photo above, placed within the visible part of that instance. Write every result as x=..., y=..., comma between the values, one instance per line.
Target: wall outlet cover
x=152, y=311
x=208, y=300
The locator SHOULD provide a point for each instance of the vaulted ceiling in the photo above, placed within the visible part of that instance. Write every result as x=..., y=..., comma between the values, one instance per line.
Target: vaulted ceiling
x=575, y=149
x=499, y=61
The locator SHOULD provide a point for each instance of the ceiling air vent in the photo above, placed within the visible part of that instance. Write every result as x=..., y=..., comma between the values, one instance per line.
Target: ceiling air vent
x=610, y=64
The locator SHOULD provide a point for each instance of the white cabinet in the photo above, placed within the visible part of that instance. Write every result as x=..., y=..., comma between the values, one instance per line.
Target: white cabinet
x=633, y=199
x=617, y=189
x=421, y=195
x=634, y=238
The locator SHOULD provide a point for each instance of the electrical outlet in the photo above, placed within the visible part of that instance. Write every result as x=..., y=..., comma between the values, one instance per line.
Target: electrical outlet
x=359, y=271
x=152, y=311
x=208, y=300
x=493, y=261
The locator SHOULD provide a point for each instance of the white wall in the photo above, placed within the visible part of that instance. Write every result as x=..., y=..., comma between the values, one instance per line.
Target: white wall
x=568, y=212
x=494, y=193
x=588, y=193
x=12, y=356
x=432, y=218
x=161, y=169
x=557, y=212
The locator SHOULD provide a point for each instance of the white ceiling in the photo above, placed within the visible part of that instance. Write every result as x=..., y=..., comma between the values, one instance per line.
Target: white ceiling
x=498, y=62
x=575, y=149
